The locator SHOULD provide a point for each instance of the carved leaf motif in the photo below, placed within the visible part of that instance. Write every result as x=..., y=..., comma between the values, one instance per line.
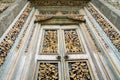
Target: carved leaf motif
x=113, y=35
x=48, y=71
x=72, y=42
x=8, y=41
x=50, y=43
x=79, y=71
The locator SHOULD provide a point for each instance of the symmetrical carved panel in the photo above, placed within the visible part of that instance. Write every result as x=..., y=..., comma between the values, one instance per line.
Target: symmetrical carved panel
x=72, y=42
x=8, y=41
x=50, y=42
x=48, y=71
x=113, y=35
x=79, y=71
x=59, y=2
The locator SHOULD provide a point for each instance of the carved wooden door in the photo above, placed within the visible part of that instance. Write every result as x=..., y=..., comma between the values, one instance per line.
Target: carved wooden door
x=62, y=54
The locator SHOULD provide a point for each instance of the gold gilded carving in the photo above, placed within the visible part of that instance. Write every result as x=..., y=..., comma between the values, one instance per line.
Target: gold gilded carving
x=77, y=17
x=72, y=42
x=48, y=71
x=59, y=3
x=8, y=41
x=42, y=18
x=113, y=35
x=50, y=43
x=79, y=71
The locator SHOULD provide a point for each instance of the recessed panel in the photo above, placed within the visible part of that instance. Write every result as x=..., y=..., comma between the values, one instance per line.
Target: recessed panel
x=50, y=42
x=72, y=41
x=79, y=70
x=48, y=71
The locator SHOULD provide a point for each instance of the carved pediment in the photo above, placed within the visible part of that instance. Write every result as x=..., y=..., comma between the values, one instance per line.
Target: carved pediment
x=59, y=16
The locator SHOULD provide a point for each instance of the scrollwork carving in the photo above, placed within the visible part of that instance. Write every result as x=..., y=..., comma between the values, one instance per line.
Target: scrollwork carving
x=77, y=17
x=42, y=18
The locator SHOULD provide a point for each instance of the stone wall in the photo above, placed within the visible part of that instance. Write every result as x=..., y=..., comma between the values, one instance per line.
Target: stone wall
x=7, y=17
x=109, y=11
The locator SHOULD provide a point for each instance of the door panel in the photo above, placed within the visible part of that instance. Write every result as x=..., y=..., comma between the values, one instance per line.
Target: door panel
x=72, y=42
x=50, y=42
x=48, y=70
x=78, y=70
x=62, y=55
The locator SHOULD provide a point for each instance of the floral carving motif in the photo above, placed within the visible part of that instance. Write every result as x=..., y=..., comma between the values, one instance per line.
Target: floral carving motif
x=11, y=36
x=48, y=71
x=79, y=71
x=50, y=43
x=72, y=42
x=113, y=35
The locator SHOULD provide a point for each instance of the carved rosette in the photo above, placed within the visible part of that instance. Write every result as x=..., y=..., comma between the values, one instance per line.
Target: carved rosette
x=113, y=35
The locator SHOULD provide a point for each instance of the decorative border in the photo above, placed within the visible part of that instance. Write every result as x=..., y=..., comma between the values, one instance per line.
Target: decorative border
x=59, y=2
x=11, y=36
x=113, y=35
